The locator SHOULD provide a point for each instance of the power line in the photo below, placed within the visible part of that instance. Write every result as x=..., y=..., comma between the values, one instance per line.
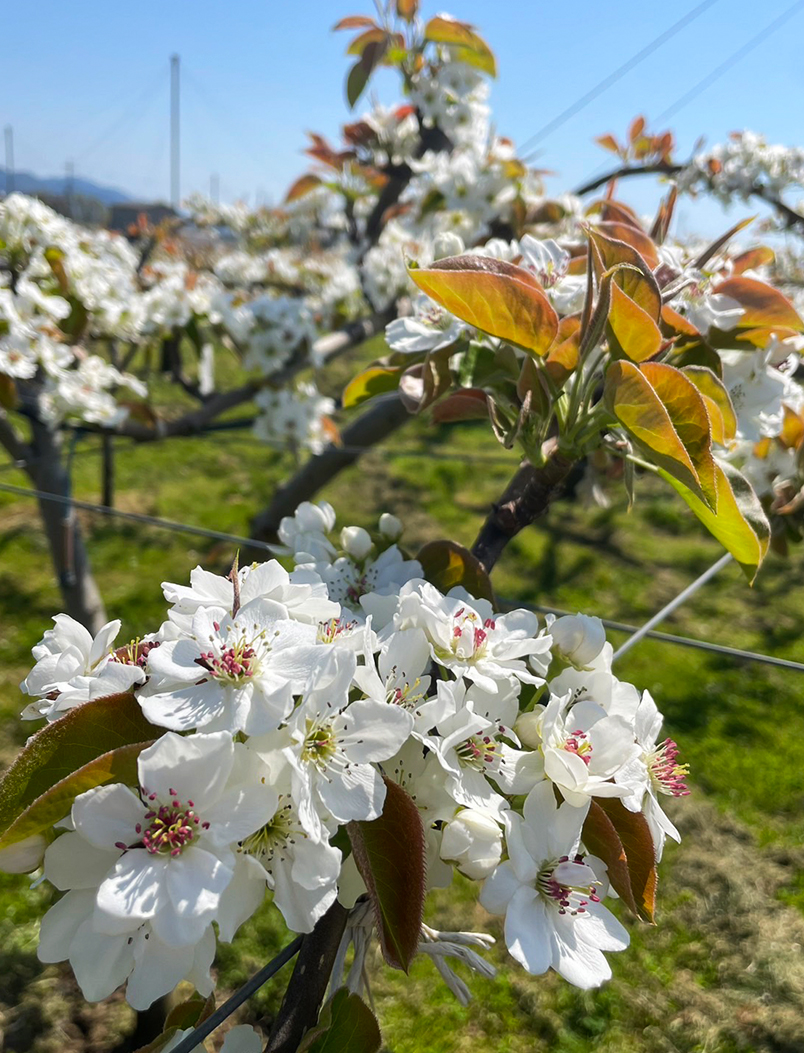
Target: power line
x=727, y=63
x=135, y=517
x=612, y=78
x=217, y=535
x=681, y=641
x=134, y=112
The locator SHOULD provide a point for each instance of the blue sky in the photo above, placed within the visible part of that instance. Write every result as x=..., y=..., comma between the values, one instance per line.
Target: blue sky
x=88, y=82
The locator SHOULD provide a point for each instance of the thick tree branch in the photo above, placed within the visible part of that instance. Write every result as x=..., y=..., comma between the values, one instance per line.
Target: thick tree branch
x=790, y=217
x=13, y=441
x=526, y=497
x=325, y=349
x=377, y=423
x=660, y=168
x=308, y=984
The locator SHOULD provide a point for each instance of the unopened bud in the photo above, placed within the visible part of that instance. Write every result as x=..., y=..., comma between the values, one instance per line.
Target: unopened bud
x=356, y=541
x=447, y=244
x=390, y=526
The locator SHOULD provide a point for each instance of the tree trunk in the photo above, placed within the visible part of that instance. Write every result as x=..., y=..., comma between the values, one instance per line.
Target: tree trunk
x=48, y=472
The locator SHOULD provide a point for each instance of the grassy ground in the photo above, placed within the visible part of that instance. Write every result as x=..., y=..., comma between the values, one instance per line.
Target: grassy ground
x=722, y=972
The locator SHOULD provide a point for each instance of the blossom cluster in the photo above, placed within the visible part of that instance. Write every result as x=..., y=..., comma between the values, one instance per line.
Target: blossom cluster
x=283, y=702
x=737, y=168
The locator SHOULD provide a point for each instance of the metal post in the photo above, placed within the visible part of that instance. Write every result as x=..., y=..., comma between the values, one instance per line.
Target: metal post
x=9, y=159
x=175, y=188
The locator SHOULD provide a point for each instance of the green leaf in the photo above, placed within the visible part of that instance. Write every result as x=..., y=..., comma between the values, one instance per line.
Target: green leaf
x=632, y=331
x=740, y=524
x=190, y=1013
x=688, y=412
x=391, y=857
x=447, y=564
x=631, y=398
x=717, y=400
x=356, y=82
x=635, y=280
x=376, y=380
x=445, y=30
x=494, y=296
x=119, y=765
x=345, y=1025
x=637, y=844
x=61, y=748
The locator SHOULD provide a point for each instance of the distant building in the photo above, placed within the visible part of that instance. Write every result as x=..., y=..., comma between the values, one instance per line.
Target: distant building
x=124, y=217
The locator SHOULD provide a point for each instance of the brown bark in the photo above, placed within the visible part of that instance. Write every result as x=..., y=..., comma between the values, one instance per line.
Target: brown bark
x=526, y=497
x=308, y=984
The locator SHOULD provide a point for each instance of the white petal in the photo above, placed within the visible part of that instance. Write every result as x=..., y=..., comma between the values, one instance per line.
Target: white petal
x=241, y=897
x=70, y=862
x=199, y=765
x=357, y=793
x=499, y=889
x=100, y=962
x=136, y=887
x=238, y=813
x=61, y=923
x=599, y=928
x=195, y=881
x=578, y=962
x=373, y=731
x=107, y=815
x=157, y=970
x=187, y=708
x=528, y=932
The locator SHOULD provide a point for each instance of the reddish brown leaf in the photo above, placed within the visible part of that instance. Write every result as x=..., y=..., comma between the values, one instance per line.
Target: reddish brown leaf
x=390, y=855
x=634, y=833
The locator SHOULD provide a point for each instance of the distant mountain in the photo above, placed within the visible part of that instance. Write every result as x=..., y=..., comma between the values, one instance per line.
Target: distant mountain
x=28, y=183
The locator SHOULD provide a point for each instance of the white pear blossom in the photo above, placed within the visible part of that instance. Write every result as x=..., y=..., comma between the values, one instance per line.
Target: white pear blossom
x=549, y=894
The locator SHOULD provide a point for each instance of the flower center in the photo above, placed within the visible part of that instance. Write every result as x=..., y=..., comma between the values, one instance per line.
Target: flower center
x=469, y=638
x=135, y=652
x=172, y=826
x=233, y=665
x=406, y=695
x=274, y=836
x=668, y=776
x=579, y=744
x=478, y=752
x=319, y=744
x=553, y=882
x=328, y=632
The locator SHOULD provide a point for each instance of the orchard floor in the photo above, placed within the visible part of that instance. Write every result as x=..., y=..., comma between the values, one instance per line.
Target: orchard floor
x=723, y=971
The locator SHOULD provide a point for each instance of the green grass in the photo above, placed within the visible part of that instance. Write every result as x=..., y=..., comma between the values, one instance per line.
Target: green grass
x=721, y=972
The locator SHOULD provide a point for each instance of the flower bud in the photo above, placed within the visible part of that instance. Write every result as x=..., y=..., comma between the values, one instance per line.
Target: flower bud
x=447, y=244
x=390, y=526
x=528, y=728
x=473, y=840
x=578, y=639
x=356, y=541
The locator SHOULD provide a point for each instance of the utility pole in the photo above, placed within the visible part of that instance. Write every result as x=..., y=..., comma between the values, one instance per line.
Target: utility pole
x=9, y=159
x=175, y=188
x=215, y=189
x=69, y=186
